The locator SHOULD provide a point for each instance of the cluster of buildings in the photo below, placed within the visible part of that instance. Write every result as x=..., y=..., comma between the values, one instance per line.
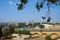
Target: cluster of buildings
x=52, y=29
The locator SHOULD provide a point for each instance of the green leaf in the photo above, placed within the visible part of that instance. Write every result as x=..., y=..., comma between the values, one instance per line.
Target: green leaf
x=41, y=5
x=24, y=1
x=41, y=26
x=20, y=6
x=43, y=17
x=48, y=20
x=48, y=37
x=37, y=6
x=52, y=1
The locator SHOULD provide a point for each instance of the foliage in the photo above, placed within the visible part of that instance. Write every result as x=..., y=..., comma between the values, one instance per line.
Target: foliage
x=36, y=24
x=16, y=31
x=48, y=19
x=48, y=37
x=7, y=31
x=24, y=1
x=52, y=1
x=22, y=32
x=21, y=25
x=12, y=29
x=39, y=4
x=30, y=35
x=20, y=6
x=41, y=26
x=43, y=17
x=1, y=31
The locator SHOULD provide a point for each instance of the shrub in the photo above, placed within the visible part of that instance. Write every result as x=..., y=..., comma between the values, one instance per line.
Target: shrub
x=48, y=37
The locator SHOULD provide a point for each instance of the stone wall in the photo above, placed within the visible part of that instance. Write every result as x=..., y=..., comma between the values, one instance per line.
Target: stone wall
x=32, y=38
x=53, y=34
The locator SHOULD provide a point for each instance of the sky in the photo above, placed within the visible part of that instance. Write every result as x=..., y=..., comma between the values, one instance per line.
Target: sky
x=10, y=13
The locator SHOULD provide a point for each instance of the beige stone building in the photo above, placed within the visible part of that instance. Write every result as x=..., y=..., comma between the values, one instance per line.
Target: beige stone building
x=32, y=38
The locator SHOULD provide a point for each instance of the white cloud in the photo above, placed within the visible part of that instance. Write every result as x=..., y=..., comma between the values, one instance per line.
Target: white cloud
x=10, y=2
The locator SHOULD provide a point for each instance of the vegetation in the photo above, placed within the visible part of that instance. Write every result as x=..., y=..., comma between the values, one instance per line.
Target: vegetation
x=41, y=26
x=7, y=31
x=12, y=29
x=22, y=32
x=1, y=31
x=48, y=37
x=36, y=24
x=40, y=4
x=22, y=25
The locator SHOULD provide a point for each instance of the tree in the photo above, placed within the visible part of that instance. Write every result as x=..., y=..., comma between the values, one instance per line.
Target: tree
x=41, y=26
x=48, y=37
x=26, y=32
x=5, y=32
x=12, y=29
x=1, y=31
x=40, y=4
x=8, y=30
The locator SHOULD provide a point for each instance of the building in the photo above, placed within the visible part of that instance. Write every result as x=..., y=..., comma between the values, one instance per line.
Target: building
x=32, y=38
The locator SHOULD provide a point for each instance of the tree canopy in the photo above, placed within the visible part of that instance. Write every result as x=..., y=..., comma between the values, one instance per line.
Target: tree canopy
x=48, y=37
x=40, y=4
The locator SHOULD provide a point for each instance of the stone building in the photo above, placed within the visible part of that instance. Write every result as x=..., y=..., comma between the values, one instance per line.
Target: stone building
x=32, y=38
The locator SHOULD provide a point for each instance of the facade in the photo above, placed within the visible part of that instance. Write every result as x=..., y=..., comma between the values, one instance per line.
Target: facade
x=53, y=34
x=52, y=30
x=32, y=38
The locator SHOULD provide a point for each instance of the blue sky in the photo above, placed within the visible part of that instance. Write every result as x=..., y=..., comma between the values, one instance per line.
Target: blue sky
x=9, y=12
